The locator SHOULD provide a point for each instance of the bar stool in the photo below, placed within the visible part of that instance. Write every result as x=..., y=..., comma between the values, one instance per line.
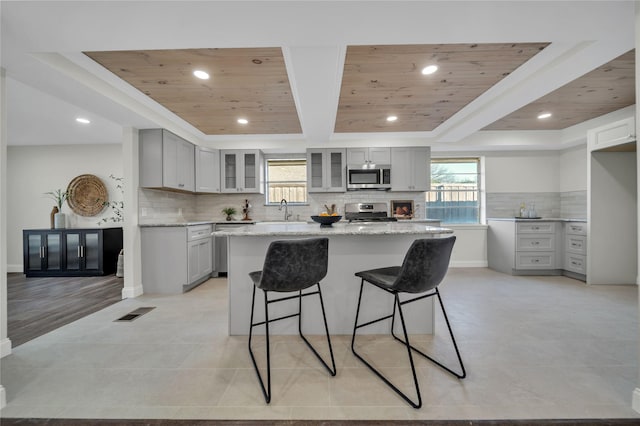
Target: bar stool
x=424, y=266
x=290, y=265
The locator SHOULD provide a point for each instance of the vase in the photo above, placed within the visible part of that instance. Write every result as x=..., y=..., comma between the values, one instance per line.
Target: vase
x=59, y=221
x=53, y=213
x=228, y=217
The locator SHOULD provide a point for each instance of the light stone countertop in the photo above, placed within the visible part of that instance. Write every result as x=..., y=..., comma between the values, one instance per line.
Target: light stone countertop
x=203, y=222
x=340, y=228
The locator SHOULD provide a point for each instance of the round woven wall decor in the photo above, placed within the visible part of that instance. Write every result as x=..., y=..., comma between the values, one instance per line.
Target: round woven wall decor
x=87, y=195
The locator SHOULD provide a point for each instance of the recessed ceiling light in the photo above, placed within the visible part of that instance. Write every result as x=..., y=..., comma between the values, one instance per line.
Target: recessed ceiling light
x=243, y=121
x=82, y=120
x=392, y=118
x=429, y=69
x=201, y=74
x=544, y=115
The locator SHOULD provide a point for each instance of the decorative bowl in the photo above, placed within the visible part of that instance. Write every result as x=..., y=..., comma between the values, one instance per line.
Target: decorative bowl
x=326, y=220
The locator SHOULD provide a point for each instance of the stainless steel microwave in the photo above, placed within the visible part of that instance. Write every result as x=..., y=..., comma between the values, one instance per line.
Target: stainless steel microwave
x=368, y=176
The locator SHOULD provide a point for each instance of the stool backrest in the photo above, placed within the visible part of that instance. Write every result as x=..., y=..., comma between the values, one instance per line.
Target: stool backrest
x=425, y=265
x=292, y=265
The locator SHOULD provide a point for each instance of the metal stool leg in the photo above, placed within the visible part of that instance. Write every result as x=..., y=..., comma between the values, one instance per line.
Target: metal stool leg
x=332, y=371
x=417, y=404
x=265, y=391
x=461, y=375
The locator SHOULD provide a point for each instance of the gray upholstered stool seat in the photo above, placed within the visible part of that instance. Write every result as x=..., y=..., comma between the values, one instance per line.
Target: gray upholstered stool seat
x=290, y=266
x=423, y=269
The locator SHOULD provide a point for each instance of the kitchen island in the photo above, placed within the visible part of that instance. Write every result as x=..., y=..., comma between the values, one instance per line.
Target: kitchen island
x=352, y=247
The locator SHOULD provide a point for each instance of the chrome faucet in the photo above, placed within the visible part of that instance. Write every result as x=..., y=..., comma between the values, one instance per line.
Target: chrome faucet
x=287, y=215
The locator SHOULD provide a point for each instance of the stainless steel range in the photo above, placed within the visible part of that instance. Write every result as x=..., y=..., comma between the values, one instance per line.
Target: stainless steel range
x=367, y=212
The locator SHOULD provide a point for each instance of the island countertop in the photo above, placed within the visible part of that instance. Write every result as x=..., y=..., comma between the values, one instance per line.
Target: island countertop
x=339, y=228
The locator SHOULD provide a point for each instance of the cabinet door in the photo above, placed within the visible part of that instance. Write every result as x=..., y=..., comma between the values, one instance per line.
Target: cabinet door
x=33, y=252
x=53, y=251
x=380, y=155
x=230, y=169
x=357, y=155
x=250, y=171
x=315, y=170
x=73, y=249
x=91, y=251
x=401, y=165
x=170, y=143
x=186, y=166
x=207, y=170
x=335, y=174
x=193, y=268
x=421, y=168
x=205, y=257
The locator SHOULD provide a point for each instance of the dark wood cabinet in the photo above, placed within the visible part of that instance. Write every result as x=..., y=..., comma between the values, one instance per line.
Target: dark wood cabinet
x=71, y=252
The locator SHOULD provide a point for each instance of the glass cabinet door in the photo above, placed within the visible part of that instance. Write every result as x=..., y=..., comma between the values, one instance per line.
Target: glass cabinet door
x=250, y=175
x=35, y=252
x=315, y=171
x=72, y=251
x=91, y=251
x=337, y=170
x=230, y=171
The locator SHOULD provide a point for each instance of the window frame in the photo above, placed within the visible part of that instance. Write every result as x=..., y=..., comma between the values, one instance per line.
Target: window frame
x=479, y=190
x=302, y=158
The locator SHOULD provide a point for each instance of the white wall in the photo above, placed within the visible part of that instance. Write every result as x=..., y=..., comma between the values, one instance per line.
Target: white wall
x=522, y=172
x=34, y=170
x=573, y=169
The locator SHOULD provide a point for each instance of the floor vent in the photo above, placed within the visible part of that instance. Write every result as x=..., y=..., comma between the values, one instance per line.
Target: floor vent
x=135, y=314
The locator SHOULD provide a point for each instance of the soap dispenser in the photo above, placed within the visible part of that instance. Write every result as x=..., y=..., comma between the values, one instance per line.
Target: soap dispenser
x=523, y=210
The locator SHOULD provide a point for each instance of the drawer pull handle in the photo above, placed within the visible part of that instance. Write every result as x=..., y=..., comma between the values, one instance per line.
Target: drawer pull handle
x=535, y=260
x=535, y=243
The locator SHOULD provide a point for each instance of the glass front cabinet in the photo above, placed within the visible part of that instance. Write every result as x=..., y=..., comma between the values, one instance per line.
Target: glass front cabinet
x=71, y=252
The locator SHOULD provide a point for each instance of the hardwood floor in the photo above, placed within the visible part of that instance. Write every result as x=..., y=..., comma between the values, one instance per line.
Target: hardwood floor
x=36, y=306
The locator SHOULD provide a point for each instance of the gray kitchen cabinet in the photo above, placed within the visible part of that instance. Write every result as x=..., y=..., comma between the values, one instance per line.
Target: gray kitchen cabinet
x=612, y=135
x=166, y=161
x=326, y=170
x=410, y=168
x=242, y=171
x=207, y=170
x=575, y=249
x=375, y=155
x=524, y=247
x=176, y=259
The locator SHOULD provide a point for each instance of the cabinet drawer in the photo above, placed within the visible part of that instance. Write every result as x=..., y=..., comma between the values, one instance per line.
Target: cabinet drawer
x=576, y=228
x=532, y=242
x=575, y=263
x=576, y=244
x=536, y=227
x=535, y=260
x=198, y=232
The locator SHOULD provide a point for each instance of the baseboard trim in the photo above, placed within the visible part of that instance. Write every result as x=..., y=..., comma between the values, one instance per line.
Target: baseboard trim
x=469, y=264
x=635, y=400
x=132, y=292
x=15, y=268
x=5, y=347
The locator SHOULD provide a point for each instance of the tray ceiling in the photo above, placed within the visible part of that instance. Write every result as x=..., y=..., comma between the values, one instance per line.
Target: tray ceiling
x=377, y=81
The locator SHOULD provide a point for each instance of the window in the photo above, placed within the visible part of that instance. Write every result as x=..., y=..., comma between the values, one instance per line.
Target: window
x=286, y=178
x=455, y=190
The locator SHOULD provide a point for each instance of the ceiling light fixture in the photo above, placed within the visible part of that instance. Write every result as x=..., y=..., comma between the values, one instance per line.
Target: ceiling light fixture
x=392, y=118
x=201, y=74
x=429, y=69
x=544, y=115
x=82, y=120
x=243, y=121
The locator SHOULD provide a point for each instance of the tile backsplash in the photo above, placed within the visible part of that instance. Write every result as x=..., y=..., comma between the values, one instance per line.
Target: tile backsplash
x=164, y=206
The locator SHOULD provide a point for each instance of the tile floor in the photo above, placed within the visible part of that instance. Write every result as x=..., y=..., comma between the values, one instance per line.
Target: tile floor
x=534, y=347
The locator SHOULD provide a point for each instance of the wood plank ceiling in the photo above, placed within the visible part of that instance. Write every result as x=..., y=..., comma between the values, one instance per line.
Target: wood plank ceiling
x=608, y=88
x=247, y=83
x=377, y=81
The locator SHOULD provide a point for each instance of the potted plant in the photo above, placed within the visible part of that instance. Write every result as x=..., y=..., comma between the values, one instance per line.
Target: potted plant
x=59, y=196
x=229, y=211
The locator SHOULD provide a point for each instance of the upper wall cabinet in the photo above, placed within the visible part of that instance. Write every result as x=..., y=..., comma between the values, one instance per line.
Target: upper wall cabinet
x=378, y=155
x=613, y=137
x=242, y=171
x=411, y=168
x=207, y=170
x=326, y=170
x=166, y=161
